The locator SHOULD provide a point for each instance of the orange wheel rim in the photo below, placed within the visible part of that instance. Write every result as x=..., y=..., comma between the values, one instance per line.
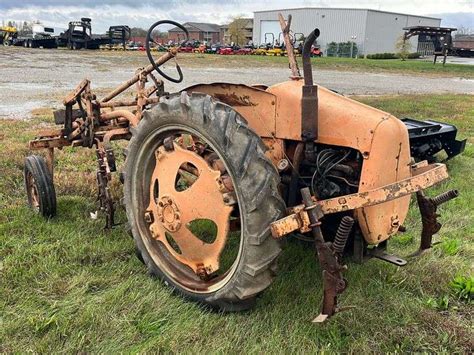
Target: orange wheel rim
x=171, y=211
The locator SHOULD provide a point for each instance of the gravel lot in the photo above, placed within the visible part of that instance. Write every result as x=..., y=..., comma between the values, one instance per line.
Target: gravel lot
x=38, y=78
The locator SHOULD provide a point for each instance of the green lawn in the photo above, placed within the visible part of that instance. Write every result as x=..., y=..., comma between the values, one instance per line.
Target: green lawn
x=66, y=285
x=409, y=67
x=412, y=67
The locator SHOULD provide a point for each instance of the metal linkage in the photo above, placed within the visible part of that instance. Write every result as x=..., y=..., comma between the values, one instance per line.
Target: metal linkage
x=333, y=282
x=429, y=218
x=104, y=197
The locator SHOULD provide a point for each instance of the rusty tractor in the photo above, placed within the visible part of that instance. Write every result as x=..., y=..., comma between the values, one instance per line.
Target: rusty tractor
x=216, y=175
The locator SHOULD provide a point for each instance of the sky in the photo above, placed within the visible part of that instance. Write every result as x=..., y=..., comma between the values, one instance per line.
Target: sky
x=142, y=13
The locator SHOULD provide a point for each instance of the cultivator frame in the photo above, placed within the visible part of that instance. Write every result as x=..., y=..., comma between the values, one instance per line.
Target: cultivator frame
x=98, y=122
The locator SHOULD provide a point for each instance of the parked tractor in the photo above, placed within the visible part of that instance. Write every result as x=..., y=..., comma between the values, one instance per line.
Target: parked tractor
x=216, y=175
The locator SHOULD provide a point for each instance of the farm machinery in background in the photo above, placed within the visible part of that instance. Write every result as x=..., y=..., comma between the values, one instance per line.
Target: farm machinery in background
x=440, y=41
x=79, y=35
x=40, y=36
x=216, y=175
x=8, y=34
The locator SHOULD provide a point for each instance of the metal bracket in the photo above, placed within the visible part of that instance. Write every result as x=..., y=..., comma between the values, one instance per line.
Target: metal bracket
x=383, y=255
x=429, y=218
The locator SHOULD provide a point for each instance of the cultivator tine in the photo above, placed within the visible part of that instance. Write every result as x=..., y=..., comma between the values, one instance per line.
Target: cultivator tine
x=329, y=255
x=429, y=218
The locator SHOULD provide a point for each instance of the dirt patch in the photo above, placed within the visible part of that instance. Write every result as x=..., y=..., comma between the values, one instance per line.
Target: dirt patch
x=33, y=78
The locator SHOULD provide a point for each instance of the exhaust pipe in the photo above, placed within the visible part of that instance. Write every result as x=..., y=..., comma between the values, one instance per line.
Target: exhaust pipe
x=309, y=100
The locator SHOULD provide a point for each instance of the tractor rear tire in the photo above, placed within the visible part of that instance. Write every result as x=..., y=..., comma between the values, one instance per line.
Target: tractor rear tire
x=39, y=186
x=255, y=180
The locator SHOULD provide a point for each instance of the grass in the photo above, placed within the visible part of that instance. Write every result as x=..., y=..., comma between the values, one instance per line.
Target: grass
x=66, y=285
x=412, y=67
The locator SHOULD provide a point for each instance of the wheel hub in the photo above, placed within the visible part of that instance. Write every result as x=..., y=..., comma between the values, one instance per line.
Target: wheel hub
x=169, y=214
x=172, y=210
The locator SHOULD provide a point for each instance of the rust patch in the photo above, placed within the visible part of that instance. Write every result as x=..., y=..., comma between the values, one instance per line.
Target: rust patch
x=234, y=100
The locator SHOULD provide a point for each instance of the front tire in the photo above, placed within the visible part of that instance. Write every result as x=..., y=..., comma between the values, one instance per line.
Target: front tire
x=39, y=186
x=254, y=178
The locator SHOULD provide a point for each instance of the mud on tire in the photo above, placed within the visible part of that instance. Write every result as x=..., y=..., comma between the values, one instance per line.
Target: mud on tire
x=255, y=180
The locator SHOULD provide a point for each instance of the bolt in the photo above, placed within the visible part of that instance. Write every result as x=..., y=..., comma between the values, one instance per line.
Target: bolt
x=283, y=164
x=202, y=273
x=154, y=231
x=168, y=144
x=148, y=217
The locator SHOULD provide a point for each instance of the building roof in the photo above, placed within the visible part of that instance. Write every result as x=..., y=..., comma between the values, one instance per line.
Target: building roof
x=346, y=8
x=199, y=26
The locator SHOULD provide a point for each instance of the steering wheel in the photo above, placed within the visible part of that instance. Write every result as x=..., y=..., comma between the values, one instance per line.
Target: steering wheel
x=148, y=49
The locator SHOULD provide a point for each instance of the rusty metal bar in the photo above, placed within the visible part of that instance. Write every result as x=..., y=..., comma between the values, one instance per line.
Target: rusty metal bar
x=55, y=142
x=285, y=28
x=147, y=70
x=71, y=98
x=50, y=161
x=113, y=104
x=423, y=177
x=107, y=116
x=429, y=217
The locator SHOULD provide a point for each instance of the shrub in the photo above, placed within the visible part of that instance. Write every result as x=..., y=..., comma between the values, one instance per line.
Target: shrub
x=391, y=56
x=414, y=55
x=382, y=56
x=331, y=49
x=342, y=49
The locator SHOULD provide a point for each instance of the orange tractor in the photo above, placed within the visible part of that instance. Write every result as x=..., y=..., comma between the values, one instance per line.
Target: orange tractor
x=216, y=175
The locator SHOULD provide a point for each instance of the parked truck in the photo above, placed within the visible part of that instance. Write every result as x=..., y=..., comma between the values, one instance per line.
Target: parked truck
x=40, y=36
x=463, y=45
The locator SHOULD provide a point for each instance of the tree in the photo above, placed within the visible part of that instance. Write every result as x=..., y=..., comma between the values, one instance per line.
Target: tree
x=331, y=49
x=137, y=32
x=403, y=47
x=237, y=31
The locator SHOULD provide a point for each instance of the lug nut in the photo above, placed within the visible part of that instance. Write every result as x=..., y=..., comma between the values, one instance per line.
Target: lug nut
x=283, y=164
x=148, y=217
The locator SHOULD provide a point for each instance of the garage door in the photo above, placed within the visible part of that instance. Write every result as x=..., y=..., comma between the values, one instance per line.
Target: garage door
x=268, y=28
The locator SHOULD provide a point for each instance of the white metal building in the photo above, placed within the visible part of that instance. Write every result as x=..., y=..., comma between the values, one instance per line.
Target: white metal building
x=373, y=31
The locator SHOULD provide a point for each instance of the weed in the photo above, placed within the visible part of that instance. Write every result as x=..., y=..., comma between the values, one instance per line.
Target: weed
x=450, y=246
x=463, y=287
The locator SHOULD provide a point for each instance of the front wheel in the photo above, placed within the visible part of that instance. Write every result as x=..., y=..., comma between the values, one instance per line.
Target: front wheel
x=200, y=196
x=39, y=186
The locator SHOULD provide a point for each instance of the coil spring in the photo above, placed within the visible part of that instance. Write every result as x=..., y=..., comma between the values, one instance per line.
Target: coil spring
x=342, y=234
x=445, y=197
